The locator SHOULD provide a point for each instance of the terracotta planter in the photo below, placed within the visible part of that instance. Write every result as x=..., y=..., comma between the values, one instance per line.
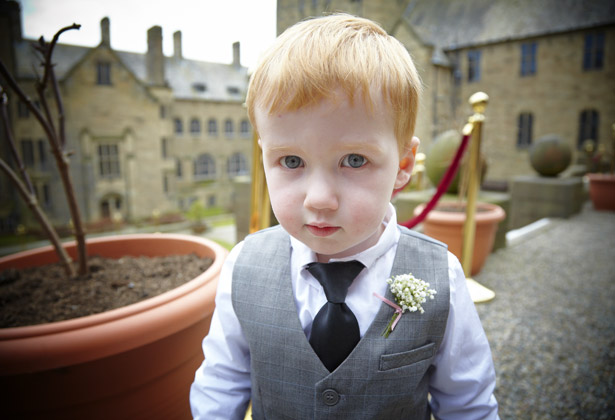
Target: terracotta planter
x=602, y=191
x=447, y=226
x=135, y=362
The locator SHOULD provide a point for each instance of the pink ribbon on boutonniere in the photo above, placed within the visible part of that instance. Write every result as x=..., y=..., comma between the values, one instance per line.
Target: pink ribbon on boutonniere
x=398, y=310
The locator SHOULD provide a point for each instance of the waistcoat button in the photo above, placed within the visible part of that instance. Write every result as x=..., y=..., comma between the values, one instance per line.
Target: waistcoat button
x=330, y=397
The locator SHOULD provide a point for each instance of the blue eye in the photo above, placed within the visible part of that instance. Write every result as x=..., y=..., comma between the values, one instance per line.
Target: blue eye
x=354, y=161
x=291, y=162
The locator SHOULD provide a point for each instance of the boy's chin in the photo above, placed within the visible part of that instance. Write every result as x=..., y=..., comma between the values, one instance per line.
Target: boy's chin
x=325, y=253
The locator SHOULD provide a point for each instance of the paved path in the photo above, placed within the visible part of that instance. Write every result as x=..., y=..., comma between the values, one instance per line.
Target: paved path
x=552, y=323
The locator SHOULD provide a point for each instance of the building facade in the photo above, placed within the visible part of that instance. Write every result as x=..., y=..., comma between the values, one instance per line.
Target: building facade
x=548, y=67
x=149, y=134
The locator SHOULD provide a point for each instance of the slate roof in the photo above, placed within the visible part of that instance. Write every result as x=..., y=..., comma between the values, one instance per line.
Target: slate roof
x=453, y=24
x=189, y=79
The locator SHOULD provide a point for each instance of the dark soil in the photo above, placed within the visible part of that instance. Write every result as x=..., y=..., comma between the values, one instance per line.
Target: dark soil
x=45, y=294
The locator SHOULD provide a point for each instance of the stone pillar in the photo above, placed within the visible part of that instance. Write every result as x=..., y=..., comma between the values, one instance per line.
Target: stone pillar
x=154, y=56
x=534, y=198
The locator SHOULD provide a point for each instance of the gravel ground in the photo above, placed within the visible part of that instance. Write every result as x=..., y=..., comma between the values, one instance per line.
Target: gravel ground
x=551, y=325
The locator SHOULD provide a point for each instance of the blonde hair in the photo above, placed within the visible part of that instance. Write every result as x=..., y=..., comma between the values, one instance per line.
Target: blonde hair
x=312, y=59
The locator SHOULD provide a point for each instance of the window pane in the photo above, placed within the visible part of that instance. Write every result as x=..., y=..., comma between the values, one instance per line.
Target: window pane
x=528, y=58
x=524, y=129
x=228, y=128
x=195, y=126
x=178, y=168
x=237, y=165
x=473, y=66
x=22, y=110
x=589, y=121
x=204, y=167
x=245, y=128
x=27, y=152
x=179, y=127
x=42, y=154
x=108, y=157
x=103, y=73
x=212, y=127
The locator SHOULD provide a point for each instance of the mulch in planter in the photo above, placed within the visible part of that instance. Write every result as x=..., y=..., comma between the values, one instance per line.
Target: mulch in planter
x=45, y=294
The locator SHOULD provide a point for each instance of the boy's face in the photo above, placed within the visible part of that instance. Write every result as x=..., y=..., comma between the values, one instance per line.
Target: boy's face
x=331, y=170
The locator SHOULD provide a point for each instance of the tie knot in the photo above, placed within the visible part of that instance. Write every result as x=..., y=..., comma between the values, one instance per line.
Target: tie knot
x=335, y=277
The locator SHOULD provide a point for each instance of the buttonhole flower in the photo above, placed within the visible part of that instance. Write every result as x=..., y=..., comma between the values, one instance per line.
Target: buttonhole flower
x=409, y=293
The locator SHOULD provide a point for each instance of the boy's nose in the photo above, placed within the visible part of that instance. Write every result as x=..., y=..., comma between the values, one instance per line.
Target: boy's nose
x=321, y=193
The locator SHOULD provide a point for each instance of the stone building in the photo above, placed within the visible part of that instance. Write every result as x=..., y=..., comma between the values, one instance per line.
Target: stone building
x=149, y=133
x=548, y=67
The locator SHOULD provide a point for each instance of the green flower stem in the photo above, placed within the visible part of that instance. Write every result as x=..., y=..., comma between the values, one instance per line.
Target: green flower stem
x=387, y=330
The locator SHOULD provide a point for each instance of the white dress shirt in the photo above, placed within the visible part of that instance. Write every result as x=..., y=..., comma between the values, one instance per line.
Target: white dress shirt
x=462, y=383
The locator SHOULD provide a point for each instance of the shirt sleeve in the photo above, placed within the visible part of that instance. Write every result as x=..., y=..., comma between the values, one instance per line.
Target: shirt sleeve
x=221, y=387
x=464, y=377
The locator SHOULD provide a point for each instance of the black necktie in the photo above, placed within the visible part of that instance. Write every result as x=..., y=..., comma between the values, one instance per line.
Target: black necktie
x=335, y=330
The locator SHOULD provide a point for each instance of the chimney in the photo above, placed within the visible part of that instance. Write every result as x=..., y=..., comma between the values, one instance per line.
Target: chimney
x=154, y=56
x=105, y=37
x=177, y=44
x=236, y=55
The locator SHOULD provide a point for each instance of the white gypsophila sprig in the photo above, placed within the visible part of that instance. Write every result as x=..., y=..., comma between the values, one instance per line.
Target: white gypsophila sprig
x=409, y=293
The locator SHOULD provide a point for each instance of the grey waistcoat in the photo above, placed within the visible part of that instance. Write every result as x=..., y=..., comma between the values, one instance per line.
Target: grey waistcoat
x=380, y=379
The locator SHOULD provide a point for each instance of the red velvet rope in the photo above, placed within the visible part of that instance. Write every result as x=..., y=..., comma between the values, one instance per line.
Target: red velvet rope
x=445, y=182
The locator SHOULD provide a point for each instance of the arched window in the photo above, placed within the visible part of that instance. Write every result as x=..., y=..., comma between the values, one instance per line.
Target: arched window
x=212, y=127
x=237, y=165
x=588, y=126
x=195, y=126
x=228, y=128
x=204, y=167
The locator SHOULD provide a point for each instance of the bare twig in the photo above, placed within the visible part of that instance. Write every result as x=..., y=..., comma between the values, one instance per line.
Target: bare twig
x=49, y=49
x=27, y=191
x=34, y=205
x=27, y=101
x=56, y=137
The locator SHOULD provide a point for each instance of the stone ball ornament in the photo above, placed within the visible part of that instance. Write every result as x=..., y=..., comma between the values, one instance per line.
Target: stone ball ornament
x=439, y=158
x=550, y=155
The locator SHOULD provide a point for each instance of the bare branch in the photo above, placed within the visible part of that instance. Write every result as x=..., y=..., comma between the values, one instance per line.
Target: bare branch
x=30, y=199
x=60, y=107
x=25, y=99
x=49, y=49
x=56, y=140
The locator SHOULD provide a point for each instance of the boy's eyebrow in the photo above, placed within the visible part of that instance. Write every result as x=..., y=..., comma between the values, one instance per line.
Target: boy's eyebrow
x=356, y=147
x=281, y=149
x=362, y=146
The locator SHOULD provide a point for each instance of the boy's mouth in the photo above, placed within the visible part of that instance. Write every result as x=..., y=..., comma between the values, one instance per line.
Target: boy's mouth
x=322, y=230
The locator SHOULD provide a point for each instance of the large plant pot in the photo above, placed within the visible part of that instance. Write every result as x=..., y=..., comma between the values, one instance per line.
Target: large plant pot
x=602, y=191
x=135, y=362
x=445, y=223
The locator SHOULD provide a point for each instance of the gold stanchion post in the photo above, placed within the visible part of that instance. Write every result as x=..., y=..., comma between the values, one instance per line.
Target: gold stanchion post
x=478, y=292
x=260, y=214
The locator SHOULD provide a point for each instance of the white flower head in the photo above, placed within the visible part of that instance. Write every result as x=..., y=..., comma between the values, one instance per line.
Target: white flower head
x=410, y=292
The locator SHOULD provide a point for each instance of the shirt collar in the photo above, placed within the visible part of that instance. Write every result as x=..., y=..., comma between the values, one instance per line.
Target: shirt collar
x=389, y=237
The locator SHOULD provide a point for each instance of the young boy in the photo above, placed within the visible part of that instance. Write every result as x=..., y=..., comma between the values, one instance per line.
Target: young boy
x=334, y=102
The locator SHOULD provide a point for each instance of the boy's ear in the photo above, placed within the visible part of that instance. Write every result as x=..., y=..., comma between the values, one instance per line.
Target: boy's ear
x=406, y=163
